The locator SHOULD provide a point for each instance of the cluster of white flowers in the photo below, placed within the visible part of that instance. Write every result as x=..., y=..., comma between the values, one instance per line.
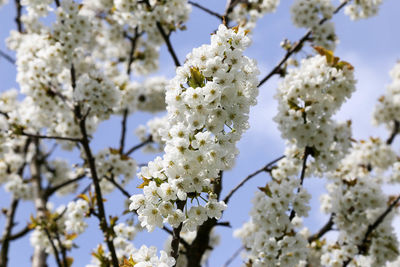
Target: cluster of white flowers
x=365, y=157
x=208, y=104
x=308, y=14
x=148, y=96
x=74, y=216
x=356, y=199
x=110, y=163
x=308, y=97
x=387, y=109
x=189, y=237
x=154, y=128
x=247, y=13
x=362, y=9
x=98, y=93
x=270, y=236
x=356, y=205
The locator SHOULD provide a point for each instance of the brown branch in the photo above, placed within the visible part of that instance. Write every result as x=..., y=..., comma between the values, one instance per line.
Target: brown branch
x=63, y=250
x=296, y=48
x=6, y=238
x=21, y=233
x=326, y=228
x=136, y=147
x=117, y=185
x=123, y=131
x=307, y=152
x=215, y=14
x=266, y=168
x=106, y=229
x=362, y=248
x=51, y=190
x=132, y=51
x=7, y=57
x=396, y=128
x=166, y=38
x=234, y=255
x=55, y=250
x=176, y=234
x=18, y=7
x=64, y=138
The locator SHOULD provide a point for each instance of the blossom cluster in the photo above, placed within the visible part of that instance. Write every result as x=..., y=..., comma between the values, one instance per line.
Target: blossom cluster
x=362, y=9
x=247, y=13
x=387, y=109
x=111, y=165
x=270, y=236
x=308, y=97
x=208, y=104
x=309, y=13
x=154, y=128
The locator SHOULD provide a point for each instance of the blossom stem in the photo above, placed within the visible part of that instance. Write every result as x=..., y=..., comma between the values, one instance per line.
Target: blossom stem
x=278, y=68
x=215, y=14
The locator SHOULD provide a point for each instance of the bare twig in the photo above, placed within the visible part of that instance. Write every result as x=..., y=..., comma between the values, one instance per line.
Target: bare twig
x=123, y=131
x=363, y=248
x=18, y=7
x=307, y=152
x=6, y=238
x=64, y=138
x=396, y=128
x=296, y=48
x=55, y=250
x=132, y=51
x=117, y=185
x=326, y=228
x=176, y=234
x=234, y=255
x=171, y=50
x=51, y=190
x=7, y=57
x=215, y=14
x=136, y=147
x=266, y=168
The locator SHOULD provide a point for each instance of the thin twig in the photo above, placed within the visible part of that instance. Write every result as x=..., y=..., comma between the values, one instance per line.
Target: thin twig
x=123, y=131
x=326, y=228
x=132, y=51
x=171, y=50
x=266, y=168
x=296, y=48
x=215, y=14
x=18, y=7
x=51, y=190
x=176, y=237
x=6, y=238
x=396, y=128
x=307, y=152
x=65, y=138
x=55, y=250
x=362, y=248
x=134, y=148
x=117, y=185
x=7, y=57
x=234, y=255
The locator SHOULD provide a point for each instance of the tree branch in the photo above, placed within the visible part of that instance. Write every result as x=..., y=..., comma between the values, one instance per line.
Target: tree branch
x=234, y=255
x=6, y=238
x=18, y=7
x=396, y=128
x=176, y=234
x=266, y=168
x=51, y=190
x=215, y=14
x=326, y=228
x=7, y=57
x=55, y=250
x=296, y=47
x=123, y=131
x=64, y=138
x=362, y=248
x=168, y=42
x=134, y=148
x=307, y=152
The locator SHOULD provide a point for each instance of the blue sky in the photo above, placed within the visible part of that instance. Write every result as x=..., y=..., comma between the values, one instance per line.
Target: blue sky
x=371, y=46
